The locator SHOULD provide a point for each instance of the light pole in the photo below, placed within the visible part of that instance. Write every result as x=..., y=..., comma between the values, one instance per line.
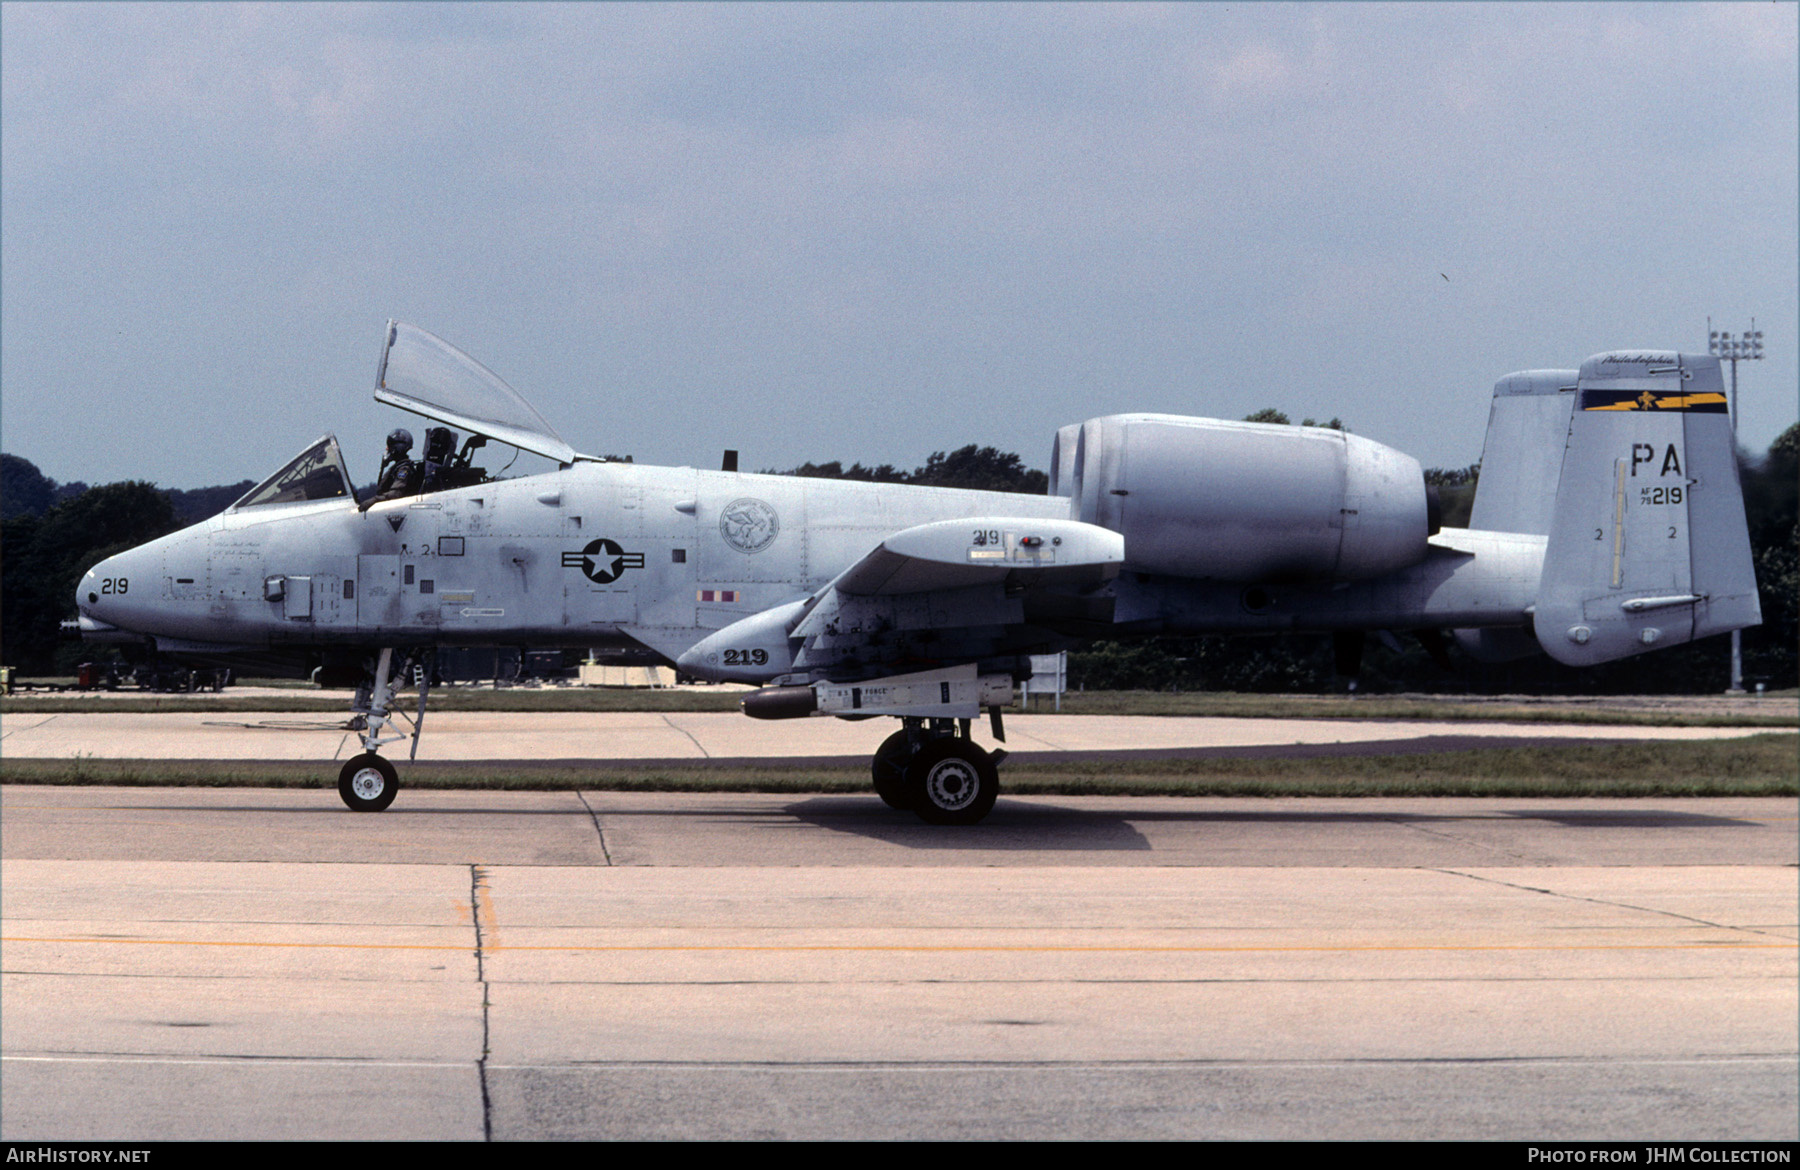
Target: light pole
x=1745, y=347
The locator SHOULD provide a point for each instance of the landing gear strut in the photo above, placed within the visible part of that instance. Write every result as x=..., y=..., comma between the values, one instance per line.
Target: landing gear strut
x=368, y=782
x=931, y=770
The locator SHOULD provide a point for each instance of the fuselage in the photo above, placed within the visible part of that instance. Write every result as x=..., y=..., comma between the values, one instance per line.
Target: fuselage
x=569, y=558
x=615, y=554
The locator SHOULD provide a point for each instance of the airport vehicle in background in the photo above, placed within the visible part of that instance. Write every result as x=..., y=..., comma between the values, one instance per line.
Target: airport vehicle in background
x=1608, y=522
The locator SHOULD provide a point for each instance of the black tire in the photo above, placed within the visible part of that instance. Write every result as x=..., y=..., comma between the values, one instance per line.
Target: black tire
x=368, y=783
x=889, y=770
x=955, y=781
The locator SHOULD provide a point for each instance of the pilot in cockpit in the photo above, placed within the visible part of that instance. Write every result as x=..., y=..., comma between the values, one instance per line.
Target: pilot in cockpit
x=400, y=473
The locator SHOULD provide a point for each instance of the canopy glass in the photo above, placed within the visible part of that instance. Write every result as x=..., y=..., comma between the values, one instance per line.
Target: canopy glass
x=425, y=374
x=317, y=473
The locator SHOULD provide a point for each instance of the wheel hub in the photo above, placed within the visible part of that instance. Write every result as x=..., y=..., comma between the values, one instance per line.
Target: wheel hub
x=952, y=785
x=367, y=783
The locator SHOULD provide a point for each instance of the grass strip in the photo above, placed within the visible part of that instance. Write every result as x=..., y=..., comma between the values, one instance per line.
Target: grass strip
x=1760, y=765
x=546, y=699
x=1663, y=711
x=1776, y=711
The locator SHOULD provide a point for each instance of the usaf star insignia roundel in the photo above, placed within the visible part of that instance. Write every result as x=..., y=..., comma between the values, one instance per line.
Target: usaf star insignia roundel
x=602, y=561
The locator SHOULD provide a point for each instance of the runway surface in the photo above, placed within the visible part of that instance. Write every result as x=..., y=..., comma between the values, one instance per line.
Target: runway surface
x=213, y=963
x=695, y=737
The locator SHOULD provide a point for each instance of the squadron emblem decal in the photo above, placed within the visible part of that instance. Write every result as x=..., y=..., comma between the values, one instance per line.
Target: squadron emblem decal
x=602, y=561
x=749, y=525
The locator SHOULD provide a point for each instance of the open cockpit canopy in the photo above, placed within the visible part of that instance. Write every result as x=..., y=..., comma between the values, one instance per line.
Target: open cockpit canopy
x=425, y=374
x=317, y=473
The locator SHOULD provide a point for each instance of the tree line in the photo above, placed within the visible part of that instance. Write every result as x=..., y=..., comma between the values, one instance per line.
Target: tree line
x=977, y=468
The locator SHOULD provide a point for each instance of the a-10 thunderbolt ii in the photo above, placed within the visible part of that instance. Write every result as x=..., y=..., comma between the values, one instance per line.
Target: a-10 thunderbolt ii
x=1608, y=521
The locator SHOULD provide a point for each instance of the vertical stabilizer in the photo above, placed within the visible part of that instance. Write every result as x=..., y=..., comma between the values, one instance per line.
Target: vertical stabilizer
x=1521, y=460
x=1062, y=460
x=1523, y=453
x=1647, y=543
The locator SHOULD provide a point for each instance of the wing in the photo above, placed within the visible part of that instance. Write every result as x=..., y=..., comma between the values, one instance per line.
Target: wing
x=985, y=550
x=949, y=592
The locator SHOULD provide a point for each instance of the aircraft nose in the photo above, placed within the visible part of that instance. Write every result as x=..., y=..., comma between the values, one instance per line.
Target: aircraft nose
x=89, y=601
x=106, y=593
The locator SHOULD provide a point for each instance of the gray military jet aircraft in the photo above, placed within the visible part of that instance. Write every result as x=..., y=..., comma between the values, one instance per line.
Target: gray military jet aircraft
x=1608, y=521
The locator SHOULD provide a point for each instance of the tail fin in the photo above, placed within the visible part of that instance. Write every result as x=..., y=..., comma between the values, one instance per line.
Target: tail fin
x=1528, y=427
x=1521, y=458
x=1647, y=544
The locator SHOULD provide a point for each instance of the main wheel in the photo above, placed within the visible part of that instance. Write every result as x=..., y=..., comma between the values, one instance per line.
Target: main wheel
x=956, y=782
x=889, y=768
x=368, y=783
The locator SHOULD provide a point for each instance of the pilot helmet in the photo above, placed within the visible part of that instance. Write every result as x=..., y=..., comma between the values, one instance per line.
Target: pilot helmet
x=439, y=443
x=399, y=442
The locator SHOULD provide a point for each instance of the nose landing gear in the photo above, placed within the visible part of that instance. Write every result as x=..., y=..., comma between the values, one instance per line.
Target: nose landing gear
x=368, y=782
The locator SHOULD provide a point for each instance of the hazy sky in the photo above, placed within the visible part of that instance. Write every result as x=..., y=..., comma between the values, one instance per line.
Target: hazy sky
x=871, y=231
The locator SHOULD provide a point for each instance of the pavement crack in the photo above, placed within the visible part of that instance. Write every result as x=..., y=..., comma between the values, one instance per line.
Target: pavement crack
x=481, y=910
x=704, y=754
x=14, y=725
x=599, y=829
x=1616, y=905
x=1440, y=835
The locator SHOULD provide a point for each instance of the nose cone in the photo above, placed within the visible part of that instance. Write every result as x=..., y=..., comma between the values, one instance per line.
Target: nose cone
x=88, y=604
x=162, y=589
x=104, y=591
x=123, y=592
x=87, y=590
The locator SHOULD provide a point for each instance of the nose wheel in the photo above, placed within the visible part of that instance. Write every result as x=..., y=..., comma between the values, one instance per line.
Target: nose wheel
x=368, y=783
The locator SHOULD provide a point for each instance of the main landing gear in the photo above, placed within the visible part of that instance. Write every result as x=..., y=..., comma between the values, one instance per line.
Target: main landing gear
x=368, y=782
x=933, y=769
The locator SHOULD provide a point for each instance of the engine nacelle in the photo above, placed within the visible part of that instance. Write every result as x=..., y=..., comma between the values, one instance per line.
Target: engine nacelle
x=1251, y=502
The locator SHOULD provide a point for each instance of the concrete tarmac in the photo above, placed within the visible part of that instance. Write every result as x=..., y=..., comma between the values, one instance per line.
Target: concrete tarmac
x=219, y=963
x=698, y=736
